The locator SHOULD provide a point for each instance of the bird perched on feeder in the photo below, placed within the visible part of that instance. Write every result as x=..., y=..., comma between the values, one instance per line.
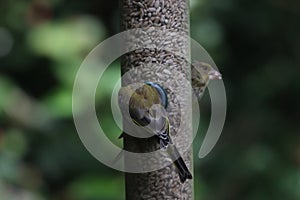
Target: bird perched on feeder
x=146, y=108
x=202, y=74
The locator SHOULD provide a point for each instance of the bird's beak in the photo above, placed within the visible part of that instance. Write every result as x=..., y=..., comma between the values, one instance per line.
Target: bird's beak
x=214, y=75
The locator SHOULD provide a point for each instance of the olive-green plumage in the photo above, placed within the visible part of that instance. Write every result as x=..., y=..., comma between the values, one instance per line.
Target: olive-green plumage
x=140, y=102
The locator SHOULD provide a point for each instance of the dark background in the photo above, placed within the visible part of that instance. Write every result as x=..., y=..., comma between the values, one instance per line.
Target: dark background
x=255, y=44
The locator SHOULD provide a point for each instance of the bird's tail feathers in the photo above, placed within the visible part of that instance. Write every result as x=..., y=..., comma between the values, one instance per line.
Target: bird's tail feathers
x=183, y=170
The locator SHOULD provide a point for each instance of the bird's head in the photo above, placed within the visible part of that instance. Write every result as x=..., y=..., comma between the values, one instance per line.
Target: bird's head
x=206, y=70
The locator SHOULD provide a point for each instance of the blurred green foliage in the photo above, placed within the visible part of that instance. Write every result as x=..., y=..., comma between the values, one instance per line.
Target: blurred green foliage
x=256, y=46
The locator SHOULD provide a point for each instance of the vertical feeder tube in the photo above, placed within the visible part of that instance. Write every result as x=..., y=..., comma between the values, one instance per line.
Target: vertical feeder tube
x=159, y=51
